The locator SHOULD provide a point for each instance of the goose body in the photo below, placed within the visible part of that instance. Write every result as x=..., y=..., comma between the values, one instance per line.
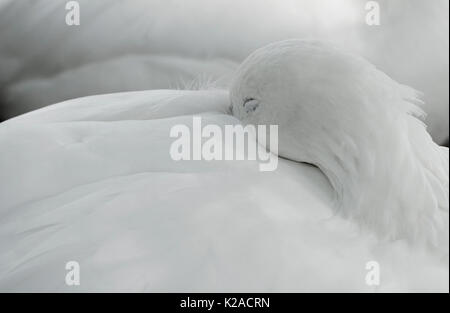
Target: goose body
x=91, y=180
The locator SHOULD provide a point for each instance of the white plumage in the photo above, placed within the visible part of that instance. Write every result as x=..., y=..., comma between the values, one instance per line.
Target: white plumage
x=361, y=128
x=91, y=180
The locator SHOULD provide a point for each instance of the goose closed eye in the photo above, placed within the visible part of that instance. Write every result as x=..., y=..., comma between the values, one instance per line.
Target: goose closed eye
x=250, y=104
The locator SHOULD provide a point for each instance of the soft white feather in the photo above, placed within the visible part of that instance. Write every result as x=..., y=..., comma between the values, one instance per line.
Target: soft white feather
x=91, y=180
x=361, y=128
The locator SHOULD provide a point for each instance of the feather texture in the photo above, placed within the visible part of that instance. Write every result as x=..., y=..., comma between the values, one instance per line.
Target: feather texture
x=360, y=127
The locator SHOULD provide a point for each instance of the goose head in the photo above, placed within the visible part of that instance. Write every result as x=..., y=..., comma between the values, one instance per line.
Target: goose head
x=361, y=128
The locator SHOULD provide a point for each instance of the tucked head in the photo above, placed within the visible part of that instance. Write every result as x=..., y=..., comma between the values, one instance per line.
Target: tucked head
x=337, y=111
x=315, y=93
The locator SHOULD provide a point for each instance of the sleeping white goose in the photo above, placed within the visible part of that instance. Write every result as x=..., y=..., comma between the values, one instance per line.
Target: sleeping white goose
x=91, y=180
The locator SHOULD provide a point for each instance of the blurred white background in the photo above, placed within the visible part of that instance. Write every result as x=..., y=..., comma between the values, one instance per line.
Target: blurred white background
x=136, y=44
